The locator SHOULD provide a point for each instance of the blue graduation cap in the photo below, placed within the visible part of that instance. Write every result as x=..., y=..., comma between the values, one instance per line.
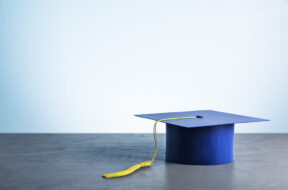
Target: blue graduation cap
x=194, y=137
x=206, y=138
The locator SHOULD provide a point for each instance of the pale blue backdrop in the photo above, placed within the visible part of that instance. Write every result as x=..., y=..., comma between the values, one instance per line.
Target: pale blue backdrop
x=88, y=66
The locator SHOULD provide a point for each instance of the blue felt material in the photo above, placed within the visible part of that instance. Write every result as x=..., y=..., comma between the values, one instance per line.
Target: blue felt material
x=205, y=140
x=208, y=118
x=201, y=145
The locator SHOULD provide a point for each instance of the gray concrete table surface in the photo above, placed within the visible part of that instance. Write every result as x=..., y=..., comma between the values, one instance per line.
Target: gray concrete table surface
x=77, y=161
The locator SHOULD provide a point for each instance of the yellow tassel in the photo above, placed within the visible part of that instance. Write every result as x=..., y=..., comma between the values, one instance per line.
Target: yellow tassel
x=129, y=170
x=147, y=163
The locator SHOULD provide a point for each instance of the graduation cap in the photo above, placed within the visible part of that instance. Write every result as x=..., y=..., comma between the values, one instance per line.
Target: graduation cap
x=203, y=137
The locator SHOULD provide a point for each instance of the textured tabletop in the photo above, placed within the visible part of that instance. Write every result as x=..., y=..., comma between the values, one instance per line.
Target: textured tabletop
x=66, y=161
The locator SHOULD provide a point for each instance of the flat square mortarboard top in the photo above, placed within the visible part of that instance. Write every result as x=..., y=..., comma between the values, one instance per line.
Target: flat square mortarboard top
x=206, y=118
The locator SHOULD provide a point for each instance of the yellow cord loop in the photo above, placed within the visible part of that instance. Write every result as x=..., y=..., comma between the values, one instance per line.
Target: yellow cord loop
x=147, y=163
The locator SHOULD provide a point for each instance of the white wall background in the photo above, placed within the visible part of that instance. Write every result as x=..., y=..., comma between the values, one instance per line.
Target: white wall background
x=88, y=66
